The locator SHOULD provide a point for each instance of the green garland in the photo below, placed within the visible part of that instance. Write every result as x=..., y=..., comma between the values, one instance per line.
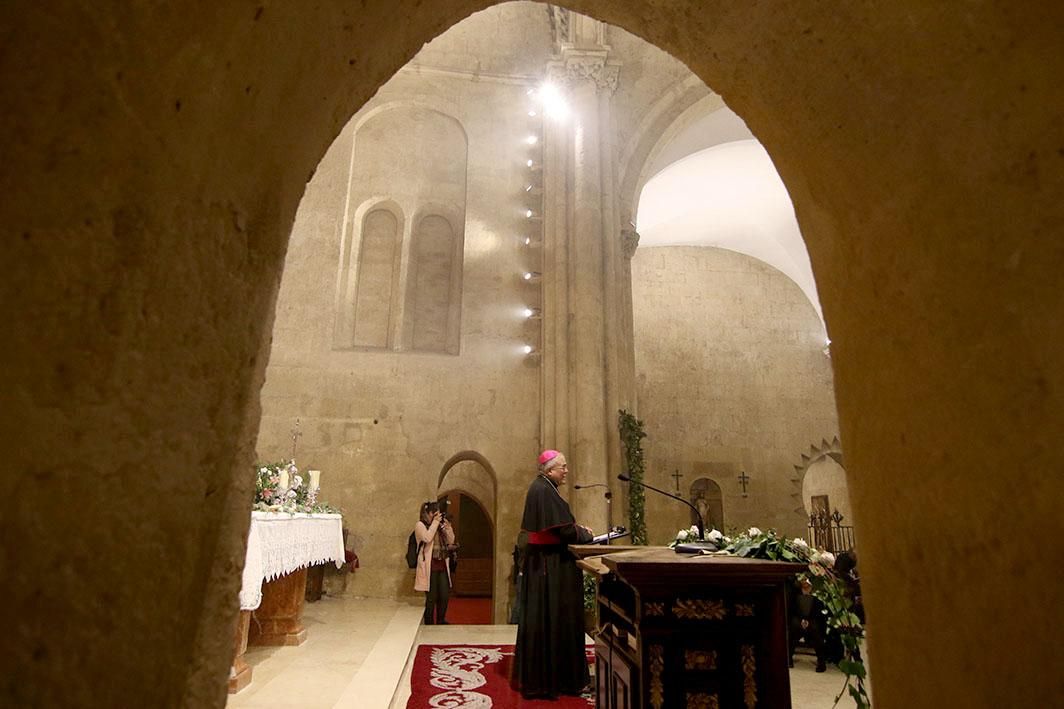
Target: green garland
x=632, y=432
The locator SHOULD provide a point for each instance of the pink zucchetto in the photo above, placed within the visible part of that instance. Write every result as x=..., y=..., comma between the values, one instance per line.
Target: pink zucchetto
x=545, y=459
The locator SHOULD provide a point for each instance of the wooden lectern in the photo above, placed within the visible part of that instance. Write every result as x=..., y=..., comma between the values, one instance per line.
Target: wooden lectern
x=690, y=631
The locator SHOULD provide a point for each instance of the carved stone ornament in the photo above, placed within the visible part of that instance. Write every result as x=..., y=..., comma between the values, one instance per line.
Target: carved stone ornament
x=749, y=665
x=560, y=24
x=657, y=687
x=698, y=609
x=576, y=66
x=700, y=659
x=702, y=701
x=654, y=608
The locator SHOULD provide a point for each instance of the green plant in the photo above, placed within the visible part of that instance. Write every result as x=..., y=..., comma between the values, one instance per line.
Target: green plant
x=632, y=433
x=589, y=592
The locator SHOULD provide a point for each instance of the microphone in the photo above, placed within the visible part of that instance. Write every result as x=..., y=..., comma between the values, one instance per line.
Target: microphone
x=609, y=494
x=701, y=523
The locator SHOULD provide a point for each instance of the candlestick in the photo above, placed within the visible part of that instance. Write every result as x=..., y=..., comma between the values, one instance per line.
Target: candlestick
x=283, y=480
x=315, y=479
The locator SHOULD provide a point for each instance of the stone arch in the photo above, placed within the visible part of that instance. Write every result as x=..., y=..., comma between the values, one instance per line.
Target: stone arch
x=440, y=104
x=817, y=452
x=652, y=132
x=471, y=455
x=865, y=112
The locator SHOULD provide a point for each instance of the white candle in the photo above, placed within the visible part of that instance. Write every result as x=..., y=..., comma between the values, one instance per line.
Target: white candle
x=315, y=479
x=283, y=480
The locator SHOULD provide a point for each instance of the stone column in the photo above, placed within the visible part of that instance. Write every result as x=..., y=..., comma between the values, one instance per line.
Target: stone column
x=583, y=304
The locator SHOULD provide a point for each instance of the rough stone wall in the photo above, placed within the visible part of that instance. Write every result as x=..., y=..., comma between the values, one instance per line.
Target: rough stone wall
x=154, y=157
x=382, y=424
x=732, y=377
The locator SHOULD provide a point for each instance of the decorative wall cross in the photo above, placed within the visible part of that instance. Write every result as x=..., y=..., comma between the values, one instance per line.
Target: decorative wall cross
x=743, y=480
x=676, y=476
x=296, y=433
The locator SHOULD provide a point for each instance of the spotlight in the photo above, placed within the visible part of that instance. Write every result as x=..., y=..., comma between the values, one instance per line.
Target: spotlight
x=531, y=114
x=528, y=275
x=528, y=188
x=531, y=140
x=531, y=276
x=527, y=349
x=528, y=241
x=530, y=312
x=529, y=163
x=554, y=103
x=528, y=213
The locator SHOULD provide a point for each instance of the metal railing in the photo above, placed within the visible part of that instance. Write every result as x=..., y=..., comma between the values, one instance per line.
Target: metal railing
x=827, y=532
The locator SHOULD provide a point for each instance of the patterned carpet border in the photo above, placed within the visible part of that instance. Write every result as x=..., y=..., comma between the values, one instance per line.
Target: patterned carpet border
x=473, y=677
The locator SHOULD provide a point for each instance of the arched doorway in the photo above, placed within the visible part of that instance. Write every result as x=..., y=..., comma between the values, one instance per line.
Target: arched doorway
x=474, y=534
x=467, y=480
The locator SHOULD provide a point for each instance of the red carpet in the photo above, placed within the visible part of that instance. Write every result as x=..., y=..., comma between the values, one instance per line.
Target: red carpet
x=469, y=611
x=473, y=676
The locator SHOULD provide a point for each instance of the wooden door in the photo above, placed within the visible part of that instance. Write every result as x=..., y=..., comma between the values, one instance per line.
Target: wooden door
x=475, y=536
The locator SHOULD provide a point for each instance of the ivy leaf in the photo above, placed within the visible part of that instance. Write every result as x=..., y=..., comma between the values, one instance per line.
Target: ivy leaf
x=852, y=668
x=859, y=698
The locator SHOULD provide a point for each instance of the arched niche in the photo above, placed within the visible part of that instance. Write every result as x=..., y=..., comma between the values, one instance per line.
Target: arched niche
x=825, y=480
x=706, y=495
x=400, y=282
x=434, y=283
x=368, y=308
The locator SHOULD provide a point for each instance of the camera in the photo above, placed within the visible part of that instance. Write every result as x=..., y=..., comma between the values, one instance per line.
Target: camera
x=442, y=506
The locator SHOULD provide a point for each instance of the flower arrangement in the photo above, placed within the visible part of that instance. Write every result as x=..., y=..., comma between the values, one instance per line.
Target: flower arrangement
x=691, y=535
x=828, y=587
x=279, y=487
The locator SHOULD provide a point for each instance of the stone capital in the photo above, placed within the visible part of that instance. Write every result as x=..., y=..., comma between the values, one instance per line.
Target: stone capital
x=578, y=65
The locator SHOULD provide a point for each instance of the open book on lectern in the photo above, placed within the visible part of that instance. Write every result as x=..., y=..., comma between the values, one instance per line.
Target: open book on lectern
x=615, y=533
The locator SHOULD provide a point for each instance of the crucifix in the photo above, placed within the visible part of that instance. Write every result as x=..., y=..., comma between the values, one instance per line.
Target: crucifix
x=296, y=433
x=743, y=479
x=676, y=476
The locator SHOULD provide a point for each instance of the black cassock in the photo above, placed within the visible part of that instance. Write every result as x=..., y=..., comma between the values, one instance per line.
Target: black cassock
x=549, y=656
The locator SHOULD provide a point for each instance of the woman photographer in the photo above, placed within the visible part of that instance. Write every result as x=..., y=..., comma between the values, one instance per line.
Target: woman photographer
x=433, y=575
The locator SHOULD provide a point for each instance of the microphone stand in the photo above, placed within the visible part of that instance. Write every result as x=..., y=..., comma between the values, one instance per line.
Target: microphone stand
x=696, y=546
x=609, y=506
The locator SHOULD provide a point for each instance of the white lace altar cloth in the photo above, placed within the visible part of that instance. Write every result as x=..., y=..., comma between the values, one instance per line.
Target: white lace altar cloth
x=280, y=543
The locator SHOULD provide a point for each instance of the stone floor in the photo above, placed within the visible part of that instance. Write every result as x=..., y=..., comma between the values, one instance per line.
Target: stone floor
x=358, y=650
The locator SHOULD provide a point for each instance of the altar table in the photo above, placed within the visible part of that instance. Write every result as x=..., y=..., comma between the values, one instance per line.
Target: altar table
x=280, y=548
